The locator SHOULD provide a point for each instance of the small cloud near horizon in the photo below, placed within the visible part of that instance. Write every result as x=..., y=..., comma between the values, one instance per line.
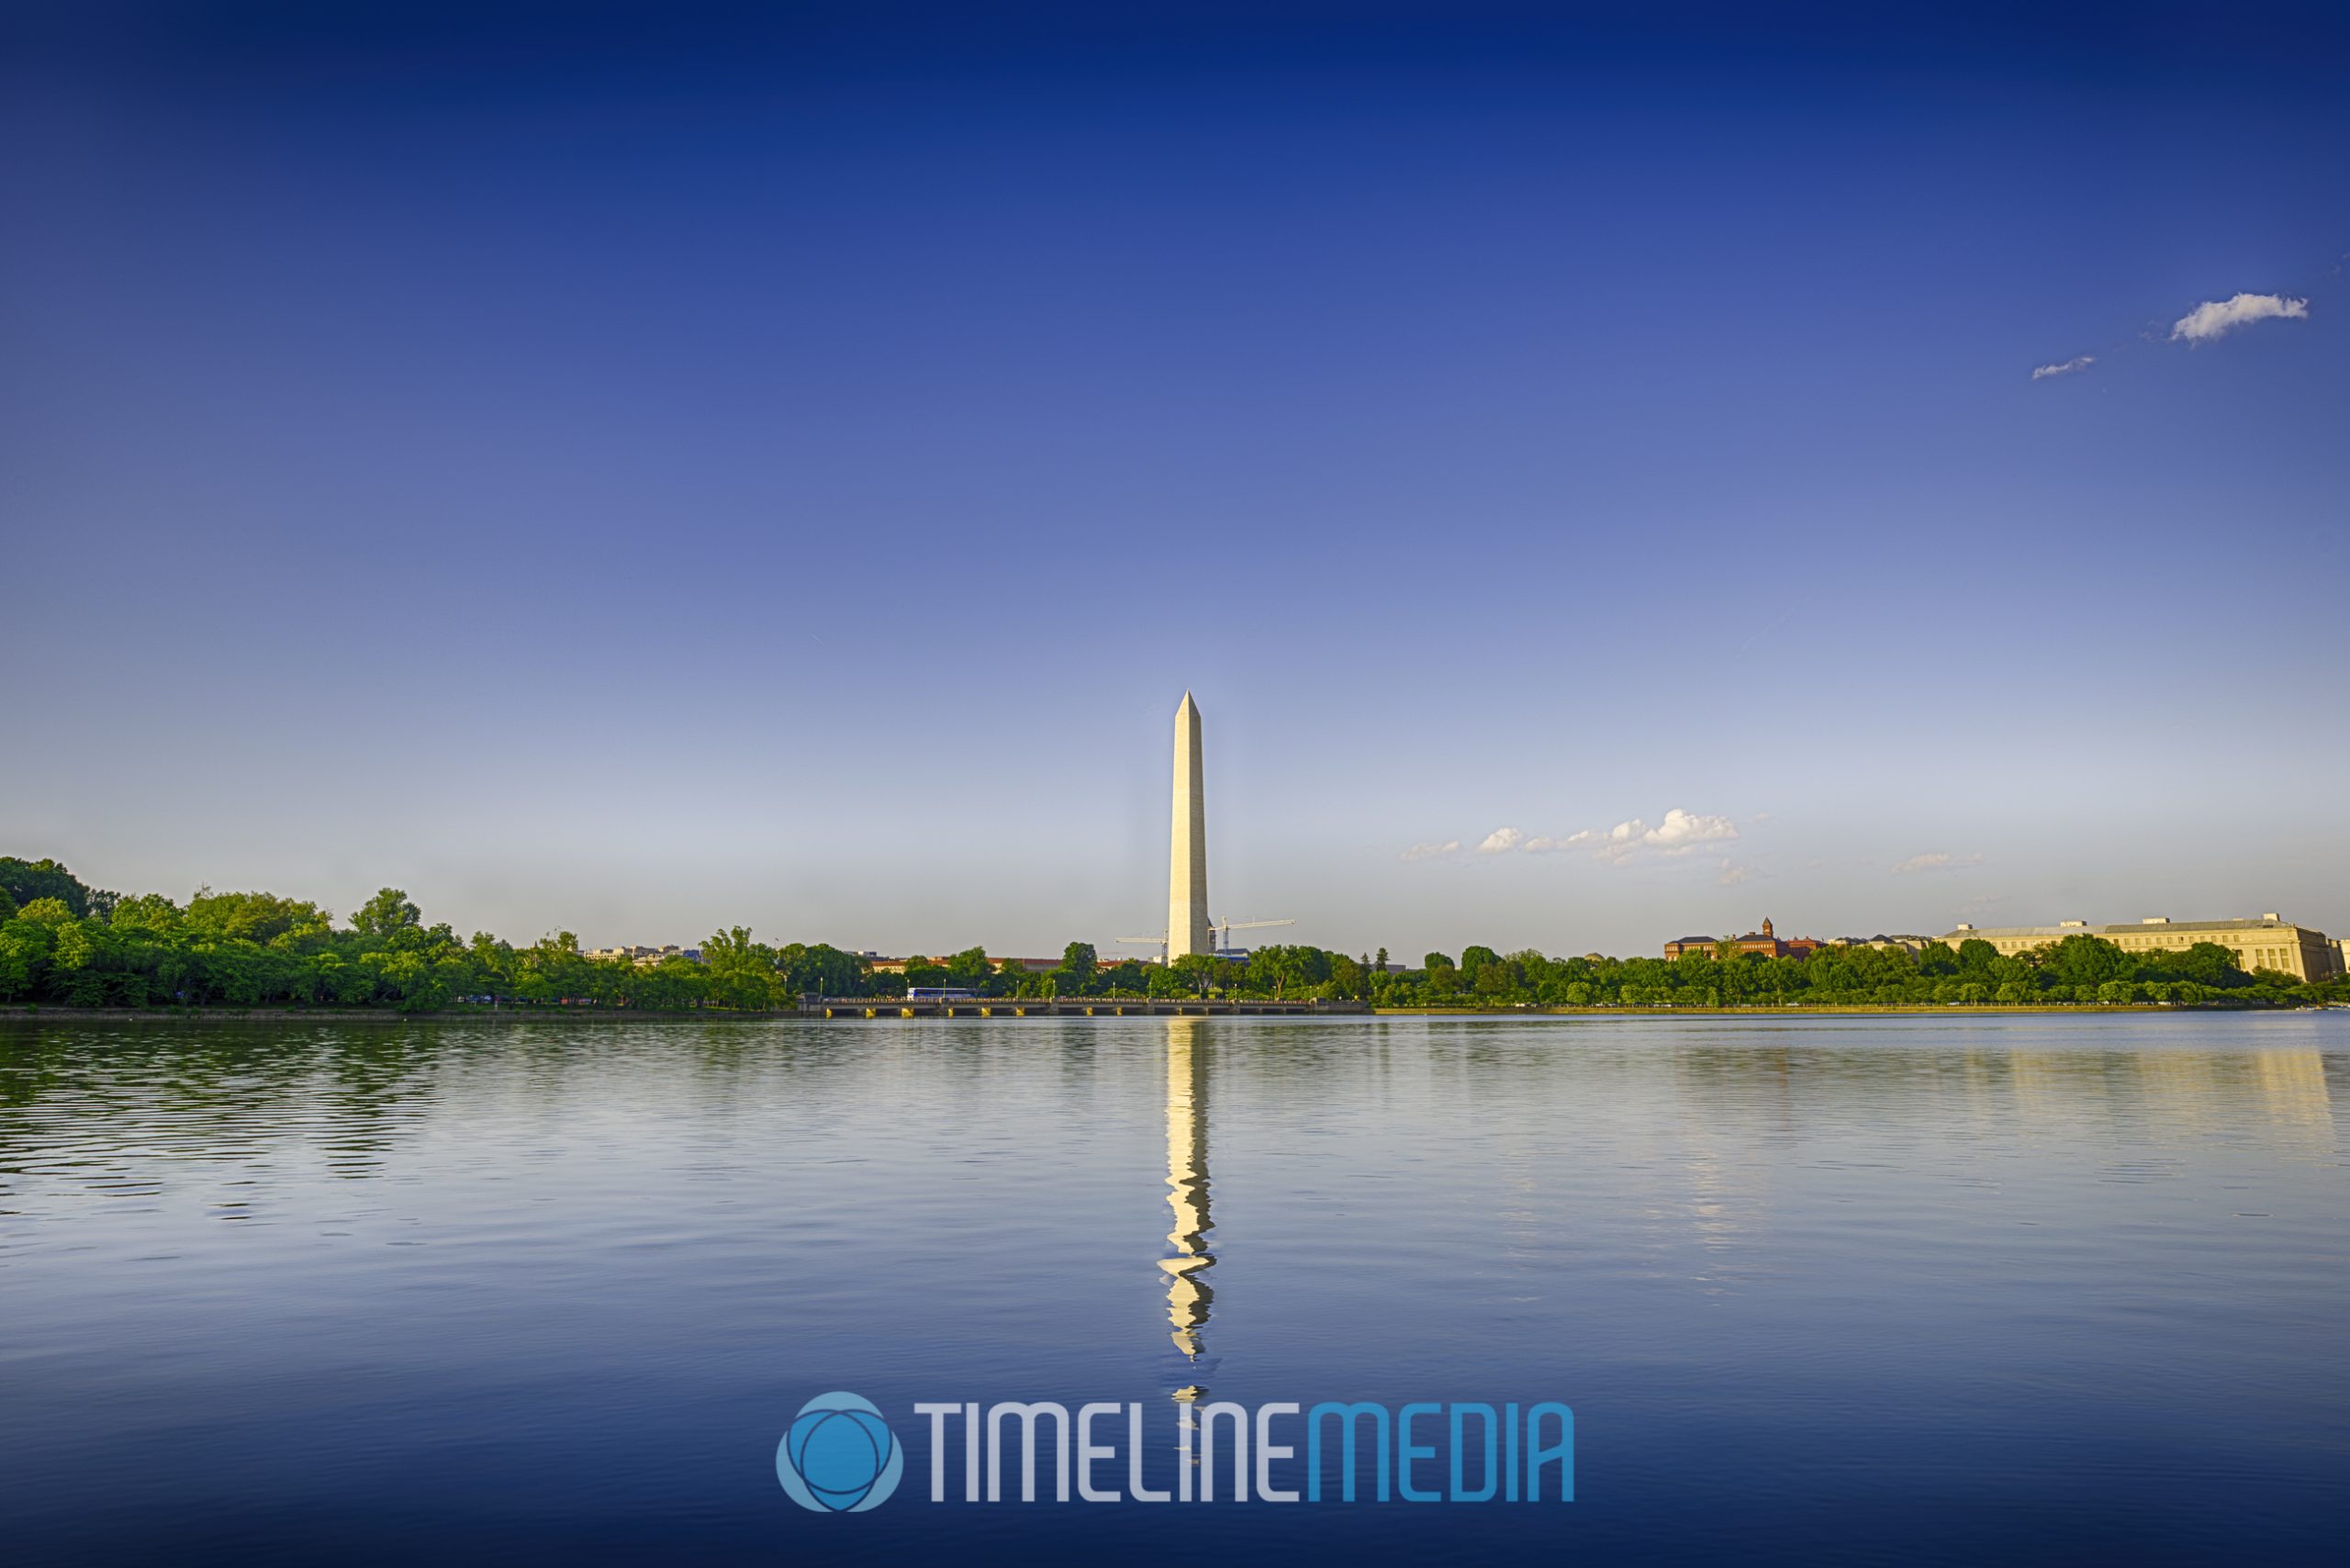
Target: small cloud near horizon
x=2215, y=317
x=1684, y=831
x=1681, y=833
x=1934, y=861
x=2077, y=362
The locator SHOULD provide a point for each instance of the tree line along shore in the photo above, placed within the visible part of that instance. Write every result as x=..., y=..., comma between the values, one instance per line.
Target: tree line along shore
x=64, y=944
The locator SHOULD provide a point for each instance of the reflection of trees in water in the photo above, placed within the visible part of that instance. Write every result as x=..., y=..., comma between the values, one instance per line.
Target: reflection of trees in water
x=371, y=1086
x=118, y=1106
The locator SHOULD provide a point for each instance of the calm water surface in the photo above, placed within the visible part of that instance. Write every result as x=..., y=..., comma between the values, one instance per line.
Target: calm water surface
x=1912, y=1288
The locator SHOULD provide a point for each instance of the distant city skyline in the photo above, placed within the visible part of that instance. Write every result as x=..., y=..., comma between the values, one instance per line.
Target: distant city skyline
x=1606, y=480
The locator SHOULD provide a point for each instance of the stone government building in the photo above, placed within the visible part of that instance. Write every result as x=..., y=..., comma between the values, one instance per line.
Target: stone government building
x=2270, y=942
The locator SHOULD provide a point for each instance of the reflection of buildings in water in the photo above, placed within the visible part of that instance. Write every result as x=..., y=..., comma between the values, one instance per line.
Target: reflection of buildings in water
x=2301, y=1107
x=1188, y=1292
x=2280, y=1096
x=2293, y=1086
x=1730, y=1100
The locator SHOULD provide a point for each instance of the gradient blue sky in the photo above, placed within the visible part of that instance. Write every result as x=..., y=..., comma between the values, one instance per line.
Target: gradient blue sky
x=632, y=469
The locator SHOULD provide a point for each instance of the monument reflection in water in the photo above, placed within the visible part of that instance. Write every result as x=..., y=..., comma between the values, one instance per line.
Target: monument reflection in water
x=1189, y=1295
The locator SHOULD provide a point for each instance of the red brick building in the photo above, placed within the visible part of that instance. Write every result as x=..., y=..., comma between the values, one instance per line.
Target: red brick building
x=1767, y=942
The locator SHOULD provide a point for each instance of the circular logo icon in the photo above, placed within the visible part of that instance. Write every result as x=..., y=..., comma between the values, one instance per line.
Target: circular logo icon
x=839, y=1456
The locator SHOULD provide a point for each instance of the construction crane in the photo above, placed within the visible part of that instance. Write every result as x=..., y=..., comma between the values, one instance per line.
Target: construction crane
x=1220, y=937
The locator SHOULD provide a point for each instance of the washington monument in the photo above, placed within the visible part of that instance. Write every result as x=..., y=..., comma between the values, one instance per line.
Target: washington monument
x=1186, y=862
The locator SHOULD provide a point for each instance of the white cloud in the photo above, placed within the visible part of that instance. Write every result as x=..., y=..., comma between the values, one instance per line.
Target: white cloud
x=2214, y=317
x=1682, y=832
x=1733, y=875
x=2078, y=361
x=1503, y=840
x=1935, y=861
x=1614, y=844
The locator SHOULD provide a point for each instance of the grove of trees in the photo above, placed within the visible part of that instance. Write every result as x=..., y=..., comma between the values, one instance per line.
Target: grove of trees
x=63, y=943
x=2078, y=970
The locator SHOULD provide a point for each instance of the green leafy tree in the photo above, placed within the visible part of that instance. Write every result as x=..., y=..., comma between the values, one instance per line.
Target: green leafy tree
x=1011, y=978
x=739, y=973
x=824, y=970
x=1348, y=978
x=25, y=881
x=1073, y=976
x=2084, y=960
x=150, y=915
x=388, y=916
x=674, y=984
x=1201, y=972
x=252, y=917
x=2209, y=964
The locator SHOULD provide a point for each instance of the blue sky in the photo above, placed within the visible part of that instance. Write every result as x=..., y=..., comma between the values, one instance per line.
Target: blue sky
x=631, y=470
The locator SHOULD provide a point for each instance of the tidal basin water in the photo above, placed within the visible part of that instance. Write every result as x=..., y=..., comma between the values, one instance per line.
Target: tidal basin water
x=1843, y=1289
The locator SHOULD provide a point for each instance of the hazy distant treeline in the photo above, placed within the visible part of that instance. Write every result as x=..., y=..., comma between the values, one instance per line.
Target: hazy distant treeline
x=64, y=943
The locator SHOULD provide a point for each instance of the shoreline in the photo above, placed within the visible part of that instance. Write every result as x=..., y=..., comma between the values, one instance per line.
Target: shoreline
x=392, y=1015
x=1877, y=1008
x=34, y=1013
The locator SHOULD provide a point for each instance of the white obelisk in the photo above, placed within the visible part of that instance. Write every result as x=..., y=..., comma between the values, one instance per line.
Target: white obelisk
x=1187, y=861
